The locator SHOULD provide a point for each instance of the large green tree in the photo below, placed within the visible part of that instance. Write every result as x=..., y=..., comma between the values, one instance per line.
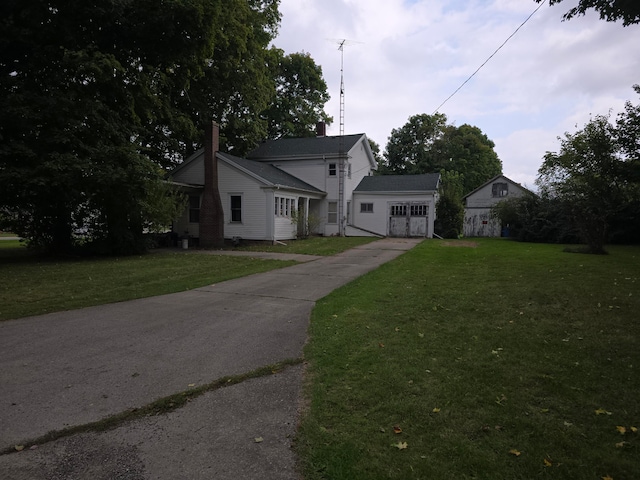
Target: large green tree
x=610, y=10
x=98, y=98
x=468, y=151
x=427, y=143
x=300, y=96
x=590, y=176
x=409, y=148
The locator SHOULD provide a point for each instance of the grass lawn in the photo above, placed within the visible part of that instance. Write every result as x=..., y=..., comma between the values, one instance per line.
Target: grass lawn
x=505, y=361
x=30, y=285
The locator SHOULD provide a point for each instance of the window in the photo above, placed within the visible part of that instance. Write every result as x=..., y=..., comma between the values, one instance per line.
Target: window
x=236, y=208
x=332, y=212
x=398, y=210
x=284, y=207
x=194, y=208
x=348, y=170
x=366, y=208
x=500, y=189
x=333, y=169
x=419, y=210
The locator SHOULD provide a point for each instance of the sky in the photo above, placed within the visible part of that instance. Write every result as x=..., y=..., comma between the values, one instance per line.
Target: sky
x=405, y=57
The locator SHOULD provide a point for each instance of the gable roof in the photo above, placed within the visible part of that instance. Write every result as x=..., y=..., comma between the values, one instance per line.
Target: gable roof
x=399, y=183
x=267, y=173
x=263, y=172
x=493, y=180
x=285, y=148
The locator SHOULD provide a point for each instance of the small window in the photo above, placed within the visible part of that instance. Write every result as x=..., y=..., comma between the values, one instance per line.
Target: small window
x=500, y=189
x=419, y=210
x=398, y=210
x=366, y=208
x=332, y=212
x=277, y=202
x=348, y=170
x=333, y=169
x=194, y=208
x=236, y=208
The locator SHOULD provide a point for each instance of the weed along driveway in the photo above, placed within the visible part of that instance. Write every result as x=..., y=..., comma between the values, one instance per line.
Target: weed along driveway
x=199, y=384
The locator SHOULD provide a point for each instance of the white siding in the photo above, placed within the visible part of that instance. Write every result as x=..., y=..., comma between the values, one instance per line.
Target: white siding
x=254, y=204
x=378, y=221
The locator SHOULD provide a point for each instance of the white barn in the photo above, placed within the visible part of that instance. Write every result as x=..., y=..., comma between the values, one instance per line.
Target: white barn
x=478, y=221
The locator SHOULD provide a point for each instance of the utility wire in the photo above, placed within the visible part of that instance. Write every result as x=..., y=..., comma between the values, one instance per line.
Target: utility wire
x=490, y=57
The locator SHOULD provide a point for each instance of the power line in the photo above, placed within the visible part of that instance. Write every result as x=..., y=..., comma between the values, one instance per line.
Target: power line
x=490, y=57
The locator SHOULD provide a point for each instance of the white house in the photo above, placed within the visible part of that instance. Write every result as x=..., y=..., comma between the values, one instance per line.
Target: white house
x=478, y=221
x=285, y=186
x=397, y=205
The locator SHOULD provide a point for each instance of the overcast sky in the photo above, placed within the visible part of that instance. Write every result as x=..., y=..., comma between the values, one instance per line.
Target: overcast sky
x=547, y=80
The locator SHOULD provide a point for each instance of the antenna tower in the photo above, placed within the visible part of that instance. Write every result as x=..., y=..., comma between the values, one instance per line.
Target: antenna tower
x=342, y=220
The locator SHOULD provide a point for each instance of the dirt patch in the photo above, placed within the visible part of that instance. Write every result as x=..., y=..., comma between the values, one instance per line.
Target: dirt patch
x=460, y=243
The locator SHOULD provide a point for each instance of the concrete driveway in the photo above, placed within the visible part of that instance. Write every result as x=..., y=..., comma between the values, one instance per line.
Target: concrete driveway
x=73, y=368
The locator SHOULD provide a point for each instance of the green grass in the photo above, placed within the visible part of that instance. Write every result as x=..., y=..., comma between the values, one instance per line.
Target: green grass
x=313, y=245
x=473, y=353
x=31, y=286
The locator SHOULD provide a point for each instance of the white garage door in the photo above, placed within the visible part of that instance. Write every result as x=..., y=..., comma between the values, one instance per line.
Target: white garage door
x=408, y=219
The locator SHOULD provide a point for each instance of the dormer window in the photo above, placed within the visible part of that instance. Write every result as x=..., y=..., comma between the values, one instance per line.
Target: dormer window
x=500, y=190
x=333, y=169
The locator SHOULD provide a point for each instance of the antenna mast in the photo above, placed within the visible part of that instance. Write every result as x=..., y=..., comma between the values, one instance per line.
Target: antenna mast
x=341, y=152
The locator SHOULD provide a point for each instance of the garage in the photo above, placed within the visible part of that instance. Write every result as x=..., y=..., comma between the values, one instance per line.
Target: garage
x=396, y=205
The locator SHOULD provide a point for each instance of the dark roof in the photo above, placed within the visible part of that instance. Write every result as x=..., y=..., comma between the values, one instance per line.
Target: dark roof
x=269, y=173
x=399, y=183
x=303, y=147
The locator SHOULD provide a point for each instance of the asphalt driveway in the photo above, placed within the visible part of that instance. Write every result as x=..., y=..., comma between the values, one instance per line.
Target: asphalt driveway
x=73, y=368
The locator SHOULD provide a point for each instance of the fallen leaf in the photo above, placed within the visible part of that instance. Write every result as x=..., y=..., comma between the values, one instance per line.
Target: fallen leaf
x=191, y=385
x=607, y=478
x=397, y=329
x=620, y=444
x=381, y=345
x=547, y=463
x=515, y=452
x=602, y=411
x=259, y=439
x=19, y=448
x=621, y=429
x=397, y=429
x=568, y=424
x=634, y=429
x=400, y=445
x=436, y=410
x=382, y=429
x=544, y=410
x=421, y=335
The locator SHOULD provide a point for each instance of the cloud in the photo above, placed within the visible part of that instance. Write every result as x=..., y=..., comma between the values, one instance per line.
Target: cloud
x=551, y=76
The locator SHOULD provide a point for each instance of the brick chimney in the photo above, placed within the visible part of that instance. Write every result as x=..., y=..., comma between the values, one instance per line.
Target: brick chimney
x=211, y=213
x=321, y=129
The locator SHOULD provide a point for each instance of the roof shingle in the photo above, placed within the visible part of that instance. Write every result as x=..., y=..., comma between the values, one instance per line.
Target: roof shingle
x=399, y=183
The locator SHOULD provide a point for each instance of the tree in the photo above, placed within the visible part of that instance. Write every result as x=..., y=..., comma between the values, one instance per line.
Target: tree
x=450, y=210
x=300, y=96
x=586, y=176
x=427, y=144
x=610, y=10
x=97, y=96
x=408, y=148
x=467, y=150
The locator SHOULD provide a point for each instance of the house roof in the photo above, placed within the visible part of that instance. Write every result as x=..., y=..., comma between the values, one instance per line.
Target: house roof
x=493, y=180
x=399, y=183
x=268, y=173
x=284, y=148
